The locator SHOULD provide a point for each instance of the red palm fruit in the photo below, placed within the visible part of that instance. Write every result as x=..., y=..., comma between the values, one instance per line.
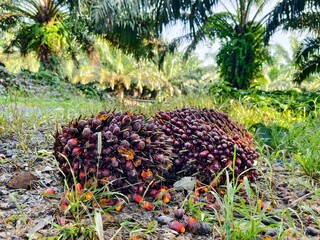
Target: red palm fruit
x=116, y=131
x=114, y=162
x=166, y=197
x=119, y=205
x=96, y=122
x=177, y=226
x=125, y=134
x=62, y=221
x=82, y=123
x=103, y=173
x=86, y=133
x=129, y=165
x=159, y=157
x=89, y=196
x=76, y=166
x=136, y=127
x=229, y=163
x=179, y=213
x=146, y=174
x=82, y=175
x=79, y=187
x=238, y=161
x=49, y=191
x=76, y=152
x=72, y=143
x=141, y=145
x=105, y=202
x=154, y=193
x=137, y=198
x=126, y=120
x=204, y=153
x=140, y=189
x=147, y=205
x=64, y=203
x=193, y=225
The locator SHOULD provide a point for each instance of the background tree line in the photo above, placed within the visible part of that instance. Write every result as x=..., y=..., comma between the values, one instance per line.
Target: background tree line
x=118, y=44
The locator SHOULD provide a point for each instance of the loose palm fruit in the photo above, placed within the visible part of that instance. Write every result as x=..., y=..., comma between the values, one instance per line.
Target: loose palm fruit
x=49, y=191
x=147, y=205
x=179, y=213
x=64, y=203
x=137, y=198
x=177, y=226
x=193, y=225
x=89, y=196
x=119, y=205
x=166, y=197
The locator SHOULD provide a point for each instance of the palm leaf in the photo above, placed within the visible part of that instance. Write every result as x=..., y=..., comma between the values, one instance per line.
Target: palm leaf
x=306, y=69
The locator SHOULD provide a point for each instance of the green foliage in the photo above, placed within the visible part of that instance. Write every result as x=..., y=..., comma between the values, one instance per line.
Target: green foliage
x=240, y=60
x=303, y=16
x=304, y=141
x=39, y=28
x=298, y=101
x=112, y=69
x=272, y=135
x=242, y=51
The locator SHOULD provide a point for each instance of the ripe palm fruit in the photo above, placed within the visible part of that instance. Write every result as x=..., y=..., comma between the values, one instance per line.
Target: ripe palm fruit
x=147, y=205
x=193, y=225
x=124, y=150
x=177, y=226
x=204, y=143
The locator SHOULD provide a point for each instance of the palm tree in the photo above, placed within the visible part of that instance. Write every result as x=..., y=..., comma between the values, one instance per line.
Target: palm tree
x=147, y=19
x=303, y=15
x=140, y=23
x=242, y=52
x=39, y=28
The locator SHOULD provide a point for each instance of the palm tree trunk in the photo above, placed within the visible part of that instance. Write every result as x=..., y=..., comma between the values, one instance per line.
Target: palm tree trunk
x=46, y=58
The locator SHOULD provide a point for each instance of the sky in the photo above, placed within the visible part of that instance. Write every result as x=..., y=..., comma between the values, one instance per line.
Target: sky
x=204, y=49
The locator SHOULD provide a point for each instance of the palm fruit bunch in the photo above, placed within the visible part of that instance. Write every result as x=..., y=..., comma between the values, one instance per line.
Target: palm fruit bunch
x=125, y=150
x=204, y=143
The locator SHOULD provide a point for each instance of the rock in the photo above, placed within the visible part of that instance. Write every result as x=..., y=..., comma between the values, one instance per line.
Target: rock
x=205, y=229
x=164, y=220
x=238, y=215
x=272, y=232
x=186, y=183
x=10, y=153
x=21, y=180
x=312, y=231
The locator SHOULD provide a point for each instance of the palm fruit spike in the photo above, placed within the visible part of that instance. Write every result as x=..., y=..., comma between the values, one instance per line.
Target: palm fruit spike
x=125, y=150
x=204, y=143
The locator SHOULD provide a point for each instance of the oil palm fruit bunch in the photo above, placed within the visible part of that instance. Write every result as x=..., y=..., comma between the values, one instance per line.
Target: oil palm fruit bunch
x=125, y=150
x=205, y=142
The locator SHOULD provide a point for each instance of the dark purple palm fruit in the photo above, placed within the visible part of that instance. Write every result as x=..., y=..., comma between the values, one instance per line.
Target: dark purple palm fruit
x=115, y=148
x=204, y=143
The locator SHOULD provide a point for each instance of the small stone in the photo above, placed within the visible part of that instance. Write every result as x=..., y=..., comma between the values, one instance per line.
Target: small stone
x=237, y=215
x=312, y=231
x=272, y=232
x=164, y=220
x=3, y=192
x=205, y=228
x=21, y=180
x=9, y=153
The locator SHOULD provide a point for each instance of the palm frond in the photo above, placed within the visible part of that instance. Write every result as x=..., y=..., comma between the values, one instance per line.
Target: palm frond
x=309, y=47
x=309, y=21
x=286, y=11
x=307, y=68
